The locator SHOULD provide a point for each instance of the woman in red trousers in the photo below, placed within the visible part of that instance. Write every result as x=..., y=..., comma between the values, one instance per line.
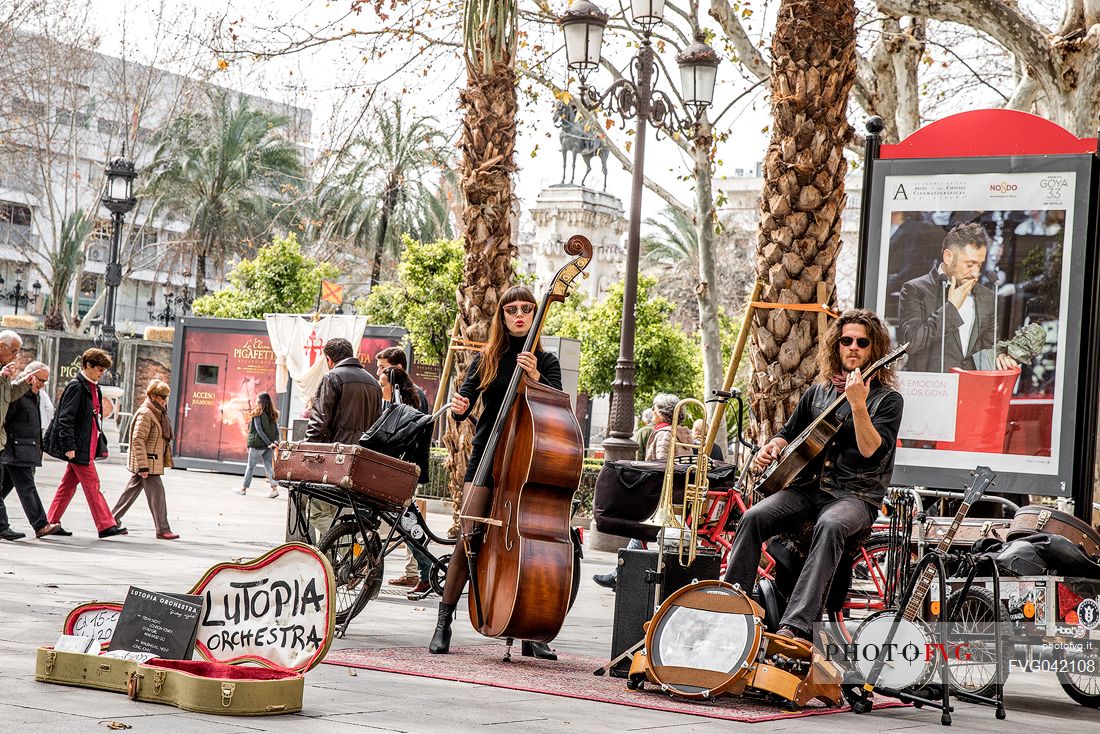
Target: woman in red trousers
x=76, y=434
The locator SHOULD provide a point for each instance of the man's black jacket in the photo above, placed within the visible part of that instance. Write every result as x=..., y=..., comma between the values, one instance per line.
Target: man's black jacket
x=927, y=318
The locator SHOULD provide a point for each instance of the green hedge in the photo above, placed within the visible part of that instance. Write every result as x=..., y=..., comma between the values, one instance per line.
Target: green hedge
x=438, y=479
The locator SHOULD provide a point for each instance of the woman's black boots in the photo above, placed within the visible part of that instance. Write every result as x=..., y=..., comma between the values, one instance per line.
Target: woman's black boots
x=441, y=640
x=538, y=650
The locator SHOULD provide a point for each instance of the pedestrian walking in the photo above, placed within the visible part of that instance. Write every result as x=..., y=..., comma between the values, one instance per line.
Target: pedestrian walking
x=76, y=435
x=22, y=454
x=150, y=455
x=263, y=437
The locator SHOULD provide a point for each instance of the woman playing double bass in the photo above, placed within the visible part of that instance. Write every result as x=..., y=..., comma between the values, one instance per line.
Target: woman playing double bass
x=488, y=377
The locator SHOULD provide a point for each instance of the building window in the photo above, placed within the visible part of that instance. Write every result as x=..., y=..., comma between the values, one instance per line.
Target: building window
x=17, y=214
x=27, y=107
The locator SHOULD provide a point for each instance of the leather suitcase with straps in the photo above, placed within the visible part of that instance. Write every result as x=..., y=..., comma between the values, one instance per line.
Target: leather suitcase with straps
x=355, y=468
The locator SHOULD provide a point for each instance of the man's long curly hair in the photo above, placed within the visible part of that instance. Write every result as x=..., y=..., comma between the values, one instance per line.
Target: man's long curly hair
x=828, y=357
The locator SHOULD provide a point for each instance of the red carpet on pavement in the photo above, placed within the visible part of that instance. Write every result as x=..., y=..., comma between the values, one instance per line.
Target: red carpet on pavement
x=570, y=676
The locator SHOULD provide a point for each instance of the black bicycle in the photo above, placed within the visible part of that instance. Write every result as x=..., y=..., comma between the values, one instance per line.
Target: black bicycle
x=356, y=544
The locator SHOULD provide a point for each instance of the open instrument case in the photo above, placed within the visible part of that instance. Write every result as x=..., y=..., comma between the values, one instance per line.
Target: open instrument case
x=236, y=674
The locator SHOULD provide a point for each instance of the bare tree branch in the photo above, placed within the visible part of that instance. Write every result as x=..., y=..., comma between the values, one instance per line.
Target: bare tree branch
x=1025, y=95
x=748, y=55
x=1019, y=34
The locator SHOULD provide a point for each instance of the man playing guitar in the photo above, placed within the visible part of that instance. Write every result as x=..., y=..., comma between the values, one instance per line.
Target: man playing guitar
x=843, y=487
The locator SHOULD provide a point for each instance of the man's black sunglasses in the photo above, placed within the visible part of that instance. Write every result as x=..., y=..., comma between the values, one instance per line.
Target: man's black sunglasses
x=862, y=341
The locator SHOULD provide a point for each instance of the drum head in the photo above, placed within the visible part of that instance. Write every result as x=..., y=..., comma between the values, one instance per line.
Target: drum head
x=905, y=662
x=703, y=639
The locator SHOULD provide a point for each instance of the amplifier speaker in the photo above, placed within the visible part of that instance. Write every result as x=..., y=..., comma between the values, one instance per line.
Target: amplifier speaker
x=634, y=595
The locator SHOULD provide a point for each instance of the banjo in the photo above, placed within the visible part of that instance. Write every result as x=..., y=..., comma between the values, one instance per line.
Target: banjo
x=809, y=444
x=892, y=666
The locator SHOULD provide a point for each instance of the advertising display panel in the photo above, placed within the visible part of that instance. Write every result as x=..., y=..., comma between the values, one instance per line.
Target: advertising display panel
x=979, y=264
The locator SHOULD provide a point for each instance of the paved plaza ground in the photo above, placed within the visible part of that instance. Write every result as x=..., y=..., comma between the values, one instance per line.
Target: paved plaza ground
x=41, y=580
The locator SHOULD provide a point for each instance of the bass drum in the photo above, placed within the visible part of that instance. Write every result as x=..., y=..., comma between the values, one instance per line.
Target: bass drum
x=905, y=663
x=703, y=641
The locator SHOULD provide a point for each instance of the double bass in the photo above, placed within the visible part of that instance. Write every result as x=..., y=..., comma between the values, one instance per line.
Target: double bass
x=522, y=569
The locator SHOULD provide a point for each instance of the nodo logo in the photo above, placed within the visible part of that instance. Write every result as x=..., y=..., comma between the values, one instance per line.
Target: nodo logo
x=1003, y=187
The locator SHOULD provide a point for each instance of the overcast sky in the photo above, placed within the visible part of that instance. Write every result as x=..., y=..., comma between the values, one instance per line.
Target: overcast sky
x=320, y=79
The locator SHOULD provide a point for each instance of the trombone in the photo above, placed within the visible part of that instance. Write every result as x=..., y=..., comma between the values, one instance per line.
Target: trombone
x=684, y=516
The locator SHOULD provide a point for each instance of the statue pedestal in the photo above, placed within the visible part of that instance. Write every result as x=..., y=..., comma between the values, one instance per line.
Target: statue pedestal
x=564, y=210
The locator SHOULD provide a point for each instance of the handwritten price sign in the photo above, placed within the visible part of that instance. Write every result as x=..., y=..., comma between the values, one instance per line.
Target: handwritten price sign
x=95, y=619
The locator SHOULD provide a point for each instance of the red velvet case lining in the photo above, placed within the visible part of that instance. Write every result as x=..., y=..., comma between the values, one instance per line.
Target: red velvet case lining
x=206, y=669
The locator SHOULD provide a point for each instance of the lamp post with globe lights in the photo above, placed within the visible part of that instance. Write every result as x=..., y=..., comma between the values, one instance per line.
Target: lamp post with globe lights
x=118, y=197
x=634, y=96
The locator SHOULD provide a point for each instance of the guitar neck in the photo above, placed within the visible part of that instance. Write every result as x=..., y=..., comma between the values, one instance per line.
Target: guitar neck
x=912, y=609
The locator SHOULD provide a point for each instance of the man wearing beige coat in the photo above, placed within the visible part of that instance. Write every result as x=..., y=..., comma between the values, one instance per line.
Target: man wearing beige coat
x=150, y=455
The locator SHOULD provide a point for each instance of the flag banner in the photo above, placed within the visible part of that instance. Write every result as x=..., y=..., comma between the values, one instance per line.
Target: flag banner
x=332, y=292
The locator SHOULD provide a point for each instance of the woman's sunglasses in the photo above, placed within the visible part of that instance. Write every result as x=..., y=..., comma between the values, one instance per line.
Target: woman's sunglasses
x=524, y=309
x=862, y=341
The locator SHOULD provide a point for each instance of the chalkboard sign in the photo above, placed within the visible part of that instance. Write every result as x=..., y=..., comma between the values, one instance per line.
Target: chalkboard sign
x=163, y=624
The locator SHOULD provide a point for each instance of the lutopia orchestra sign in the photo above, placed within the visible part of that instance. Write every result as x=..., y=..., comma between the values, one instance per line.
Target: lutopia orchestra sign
x=277, y=609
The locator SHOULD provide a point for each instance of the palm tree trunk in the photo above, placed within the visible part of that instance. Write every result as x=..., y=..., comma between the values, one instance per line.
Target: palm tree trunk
x=200, y=268
x=389, y=201
x=487, y=144
x=813, y=67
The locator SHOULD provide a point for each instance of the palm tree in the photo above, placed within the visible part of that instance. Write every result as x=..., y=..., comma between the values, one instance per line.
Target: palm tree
x=675, y=241
x=813, y=67
x=401, y=154
x=379, y=189
x=227, y=173
x=64, y=264
x=488, y=146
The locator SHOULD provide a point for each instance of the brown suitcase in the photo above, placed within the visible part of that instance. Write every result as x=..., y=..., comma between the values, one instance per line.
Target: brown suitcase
x=969, y=532
x=355, y=468
x=1039, y=519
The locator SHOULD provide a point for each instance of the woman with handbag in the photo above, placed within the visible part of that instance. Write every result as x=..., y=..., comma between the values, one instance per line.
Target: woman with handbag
x=263, y=437
x=150, y=455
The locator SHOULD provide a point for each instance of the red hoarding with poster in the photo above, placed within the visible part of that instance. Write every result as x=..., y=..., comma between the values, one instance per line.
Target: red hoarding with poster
x=222, y=375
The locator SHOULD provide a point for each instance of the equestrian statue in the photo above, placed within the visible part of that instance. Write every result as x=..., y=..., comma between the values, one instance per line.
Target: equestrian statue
x=577, y=140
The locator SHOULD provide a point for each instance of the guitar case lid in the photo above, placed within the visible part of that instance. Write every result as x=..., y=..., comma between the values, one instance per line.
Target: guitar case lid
x=277, y=611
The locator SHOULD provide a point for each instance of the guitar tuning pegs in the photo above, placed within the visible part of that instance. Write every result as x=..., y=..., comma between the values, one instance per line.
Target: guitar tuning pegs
x=585, y=274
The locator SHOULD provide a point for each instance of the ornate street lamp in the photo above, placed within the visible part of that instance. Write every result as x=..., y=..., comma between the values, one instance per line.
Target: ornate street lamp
x=19, y=295
x=172, y=303
x=118, y=197
x=634, y=97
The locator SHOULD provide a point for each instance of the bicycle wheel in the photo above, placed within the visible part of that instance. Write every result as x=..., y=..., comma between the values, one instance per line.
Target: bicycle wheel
x=1080, y=678
x=973, y=623
x=354, y=563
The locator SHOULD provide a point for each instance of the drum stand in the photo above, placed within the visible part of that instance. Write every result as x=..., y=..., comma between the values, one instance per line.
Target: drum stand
x=860, y=697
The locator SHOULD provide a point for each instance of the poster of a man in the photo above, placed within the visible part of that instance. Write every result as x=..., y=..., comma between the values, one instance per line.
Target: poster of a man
x=972, y=274
x=946, y=315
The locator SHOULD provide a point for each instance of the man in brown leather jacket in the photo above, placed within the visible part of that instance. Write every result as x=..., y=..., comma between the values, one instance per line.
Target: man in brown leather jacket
x=347, y=403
